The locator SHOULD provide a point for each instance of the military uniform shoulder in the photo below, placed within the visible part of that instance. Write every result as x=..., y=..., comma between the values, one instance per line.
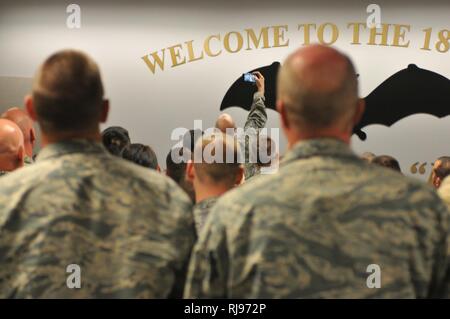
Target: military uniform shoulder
x=150, y=177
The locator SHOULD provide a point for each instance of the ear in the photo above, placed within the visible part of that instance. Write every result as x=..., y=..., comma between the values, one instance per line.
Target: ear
x=29, y=105
x=105, y=111
x=360, y=108
x=437, y=182
x=32, y=136
x=190, y=171
x=20, y=156
x=281, y=108
x=240, y=176
x=158, y=169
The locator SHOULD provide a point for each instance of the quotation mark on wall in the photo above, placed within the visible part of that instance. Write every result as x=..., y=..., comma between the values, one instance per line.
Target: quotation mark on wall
x=374, y=19
x=418, y=170
x=74, y=18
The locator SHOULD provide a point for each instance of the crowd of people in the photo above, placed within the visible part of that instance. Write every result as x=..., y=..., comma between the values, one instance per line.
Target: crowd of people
x=308, y=223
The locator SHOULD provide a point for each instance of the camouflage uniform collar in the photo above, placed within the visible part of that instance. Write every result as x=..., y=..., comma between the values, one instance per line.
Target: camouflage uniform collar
x=206, y=202
x=318, y=147
x=69, y=147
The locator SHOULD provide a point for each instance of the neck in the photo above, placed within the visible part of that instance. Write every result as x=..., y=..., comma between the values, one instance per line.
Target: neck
x=203, y=192
x=300, y=136
x=51, y=138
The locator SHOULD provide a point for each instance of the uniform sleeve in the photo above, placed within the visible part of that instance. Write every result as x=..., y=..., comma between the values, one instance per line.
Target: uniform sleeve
x=257, y=117
x=208, y=268
x=256, y=120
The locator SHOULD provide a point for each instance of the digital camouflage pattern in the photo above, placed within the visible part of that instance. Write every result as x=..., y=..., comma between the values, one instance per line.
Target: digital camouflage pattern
x=201, y=211
x=256, y=120
x=130, y=229
x=312, y=230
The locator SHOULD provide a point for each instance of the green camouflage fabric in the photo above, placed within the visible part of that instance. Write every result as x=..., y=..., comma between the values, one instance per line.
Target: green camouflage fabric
x=129, y=229
x=444, y=191
x=312, y=230
x=256, y=120
x=201, y=211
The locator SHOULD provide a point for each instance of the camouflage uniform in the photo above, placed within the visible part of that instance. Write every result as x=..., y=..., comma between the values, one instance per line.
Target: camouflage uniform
x=256, y=120
x=130, y=229
x=311, y=231
x=201, y=211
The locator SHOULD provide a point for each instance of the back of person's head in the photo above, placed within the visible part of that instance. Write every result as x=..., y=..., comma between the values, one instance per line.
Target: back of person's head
x=12, y=151
x=176, y=161
x=115, y=139
x=387, y=161
x=224, y=122
x=441, y=169
x=367, y=157
x=267, y=151
x=318, y=94
x=191, y=137
x=142, y=155
x=215, y=161
x=25, y=123
x=67, y=95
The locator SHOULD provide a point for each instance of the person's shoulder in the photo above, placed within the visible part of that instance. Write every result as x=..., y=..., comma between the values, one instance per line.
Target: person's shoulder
x=249, y=194
x=148, y=178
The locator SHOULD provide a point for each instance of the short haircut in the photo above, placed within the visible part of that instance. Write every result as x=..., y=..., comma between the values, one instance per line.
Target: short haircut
x=141, y=154
x=368, y=157
x=115, y=139
x=443, y=170
x=68, y=92
x=190, y=138
x=316, y=107
x=387, y=161
x=220, y=168
x=176, y=163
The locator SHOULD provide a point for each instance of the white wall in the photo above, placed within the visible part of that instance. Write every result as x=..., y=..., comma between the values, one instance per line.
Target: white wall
x=150, y=105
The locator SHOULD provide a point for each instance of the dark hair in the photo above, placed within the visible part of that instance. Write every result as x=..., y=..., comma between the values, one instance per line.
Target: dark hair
x=443, y=170
x=387, y=161
x=115, y=139
x=141, y=154
x=176, y=162
x=190, y=138
x=68, y=93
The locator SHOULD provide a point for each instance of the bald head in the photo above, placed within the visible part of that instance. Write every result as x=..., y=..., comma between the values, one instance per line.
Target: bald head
x=318, y=88
x=25, y=123
x=11, y=146
x=225, y=121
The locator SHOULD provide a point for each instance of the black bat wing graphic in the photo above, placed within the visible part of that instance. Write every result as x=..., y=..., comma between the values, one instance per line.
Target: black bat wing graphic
x=409, y=91
x=241, y=93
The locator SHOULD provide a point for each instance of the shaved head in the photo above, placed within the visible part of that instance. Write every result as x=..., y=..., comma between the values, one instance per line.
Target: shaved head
x=25, y=123
x=318, y=87
x=11, y=146
x=218, y=169
x=225, y=121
